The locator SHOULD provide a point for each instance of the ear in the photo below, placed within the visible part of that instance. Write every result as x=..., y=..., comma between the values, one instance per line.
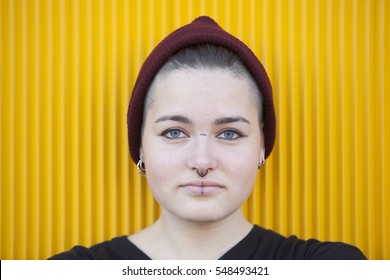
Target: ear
x=141, y=153
x=262, y=155
x=262, y=148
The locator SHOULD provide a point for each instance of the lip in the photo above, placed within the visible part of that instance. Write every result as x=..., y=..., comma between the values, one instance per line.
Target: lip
x=201, y=188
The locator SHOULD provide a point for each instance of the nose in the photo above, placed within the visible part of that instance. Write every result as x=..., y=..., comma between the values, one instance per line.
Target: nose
x=202, y=157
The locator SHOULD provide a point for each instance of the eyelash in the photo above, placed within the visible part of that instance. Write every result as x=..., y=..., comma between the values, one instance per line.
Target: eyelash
x=166, y=132
x=237, y=134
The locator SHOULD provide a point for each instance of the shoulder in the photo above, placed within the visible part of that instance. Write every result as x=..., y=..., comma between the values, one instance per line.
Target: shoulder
x=263, y=244
x=118, y=248
x=311, y=249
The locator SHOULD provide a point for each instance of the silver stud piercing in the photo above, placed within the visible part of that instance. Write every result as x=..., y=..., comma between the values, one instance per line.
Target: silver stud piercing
x=261, y=163
x=141, y=167
x=202, y=174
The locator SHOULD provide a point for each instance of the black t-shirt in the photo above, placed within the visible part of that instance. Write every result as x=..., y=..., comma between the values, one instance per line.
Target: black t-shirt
x=259, y=244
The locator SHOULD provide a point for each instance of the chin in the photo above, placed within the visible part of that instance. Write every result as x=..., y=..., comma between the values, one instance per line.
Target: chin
x=204, y=216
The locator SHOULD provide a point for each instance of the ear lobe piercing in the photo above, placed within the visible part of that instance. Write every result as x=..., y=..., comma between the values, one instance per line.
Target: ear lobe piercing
x=141, y=167
x=261, y=163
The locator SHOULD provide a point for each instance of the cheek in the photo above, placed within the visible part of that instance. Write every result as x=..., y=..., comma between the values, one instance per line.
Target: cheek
x=160, y=166
x=243, y=167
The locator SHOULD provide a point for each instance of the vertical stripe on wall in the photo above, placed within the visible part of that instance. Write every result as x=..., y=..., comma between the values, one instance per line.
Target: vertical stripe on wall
x=67, y=71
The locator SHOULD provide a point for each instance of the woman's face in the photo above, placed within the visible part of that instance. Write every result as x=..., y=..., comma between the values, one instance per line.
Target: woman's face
x=206, y=120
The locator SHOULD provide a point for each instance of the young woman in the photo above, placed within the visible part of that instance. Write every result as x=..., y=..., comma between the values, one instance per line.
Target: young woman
x=201, y=123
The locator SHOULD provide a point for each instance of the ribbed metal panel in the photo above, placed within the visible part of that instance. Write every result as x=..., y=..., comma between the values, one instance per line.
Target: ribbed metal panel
x=67, y=70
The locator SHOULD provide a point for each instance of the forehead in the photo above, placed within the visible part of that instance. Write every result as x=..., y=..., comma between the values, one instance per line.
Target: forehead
x=201, y=90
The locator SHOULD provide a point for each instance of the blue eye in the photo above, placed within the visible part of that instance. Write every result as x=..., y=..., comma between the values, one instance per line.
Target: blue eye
x=174, y=134
x=230, y=135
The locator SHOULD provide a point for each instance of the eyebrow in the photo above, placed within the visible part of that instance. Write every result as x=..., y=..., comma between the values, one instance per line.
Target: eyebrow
x=183, y=119
x=226, y=120
x=176, y=118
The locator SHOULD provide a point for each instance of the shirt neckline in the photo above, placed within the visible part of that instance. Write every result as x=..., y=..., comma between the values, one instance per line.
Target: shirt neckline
x=137, y=253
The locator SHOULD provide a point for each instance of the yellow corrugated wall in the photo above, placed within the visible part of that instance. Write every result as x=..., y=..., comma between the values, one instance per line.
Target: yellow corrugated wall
x=67, y=70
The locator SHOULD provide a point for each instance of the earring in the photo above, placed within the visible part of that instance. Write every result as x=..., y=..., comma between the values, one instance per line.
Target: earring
x=141, y=167
x=261, y=163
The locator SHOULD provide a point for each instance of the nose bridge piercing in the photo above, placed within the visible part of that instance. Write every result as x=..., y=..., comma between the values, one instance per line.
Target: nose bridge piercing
x=202, y=174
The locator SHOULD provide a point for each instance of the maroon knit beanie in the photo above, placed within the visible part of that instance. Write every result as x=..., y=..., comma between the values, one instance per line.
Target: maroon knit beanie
x=201, y=30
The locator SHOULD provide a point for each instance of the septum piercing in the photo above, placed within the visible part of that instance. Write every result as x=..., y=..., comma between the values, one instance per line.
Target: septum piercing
x=202, y=174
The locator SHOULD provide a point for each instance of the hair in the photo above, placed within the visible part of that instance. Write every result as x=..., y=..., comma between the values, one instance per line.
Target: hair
x=207, y=56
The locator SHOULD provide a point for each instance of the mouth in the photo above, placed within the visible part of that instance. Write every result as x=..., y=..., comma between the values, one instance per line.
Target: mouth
x=202, y=188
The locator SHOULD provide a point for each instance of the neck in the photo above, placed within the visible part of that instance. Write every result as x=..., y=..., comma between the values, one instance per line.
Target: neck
x=178, y=239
